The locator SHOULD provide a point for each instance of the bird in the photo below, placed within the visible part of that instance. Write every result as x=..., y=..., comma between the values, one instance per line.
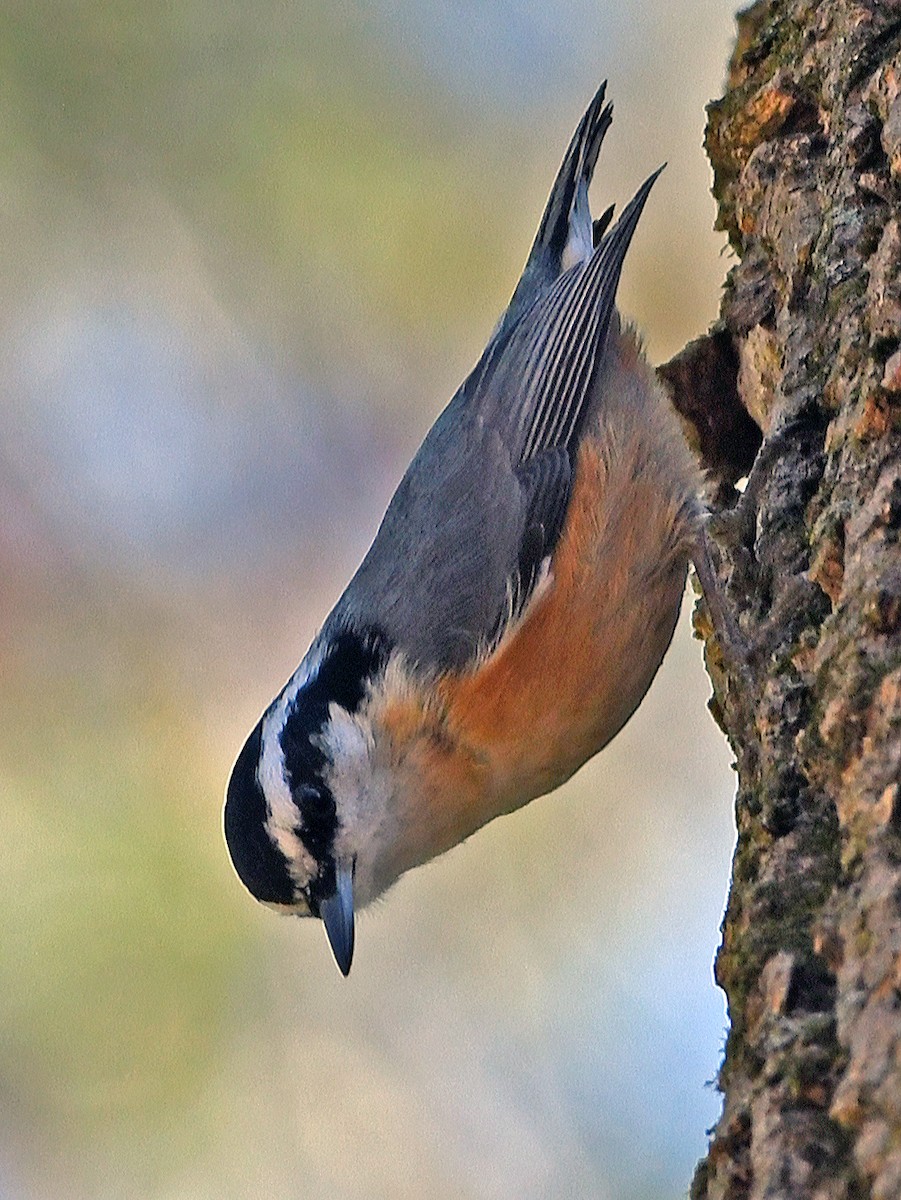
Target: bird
x=517, y=600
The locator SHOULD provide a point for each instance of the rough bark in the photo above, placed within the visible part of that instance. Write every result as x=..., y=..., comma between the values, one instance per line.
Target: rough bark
x=806, y=151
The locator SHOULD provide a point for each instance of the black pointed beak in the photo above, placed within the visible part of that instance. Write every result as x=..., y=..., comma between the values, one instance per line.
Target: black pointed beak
x=337, y=914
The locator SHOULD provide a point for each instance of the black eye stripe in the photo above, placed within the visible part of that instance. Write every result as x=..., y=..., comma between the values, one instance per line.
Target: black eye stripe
x=352, y=661
x=314, y=800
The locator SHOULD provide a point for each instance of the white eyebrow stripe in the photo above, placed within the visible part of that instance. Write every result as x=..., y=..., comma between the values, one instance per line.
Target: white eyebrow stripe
x=283, y=815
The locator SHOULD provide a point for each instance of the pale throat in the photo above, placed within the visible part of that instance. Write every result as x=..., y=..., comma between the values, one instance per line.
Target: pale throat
x=405, y=789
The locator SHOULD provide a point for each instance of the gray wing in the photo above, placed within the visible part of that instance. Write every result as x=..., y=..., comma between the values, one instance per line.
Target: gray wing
x=484, y=500
x=435, y=579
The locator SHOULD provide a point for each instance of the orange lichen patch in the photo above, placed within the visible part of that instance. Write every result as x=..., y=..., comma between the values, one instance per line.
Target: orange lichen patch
x=828, y=569
x=747, y=223
x=767, y=111
x=875, y=419
x=763, y=116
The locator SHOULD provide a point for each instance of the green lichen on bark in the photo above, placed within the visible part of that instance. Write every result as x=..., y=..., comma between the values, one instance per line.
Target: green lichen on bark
x=806, y=151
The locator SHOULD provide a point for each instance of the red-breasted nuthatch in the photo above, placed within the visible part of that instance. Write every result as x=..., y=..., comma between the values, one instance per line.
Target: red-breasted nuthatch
x=513, y=609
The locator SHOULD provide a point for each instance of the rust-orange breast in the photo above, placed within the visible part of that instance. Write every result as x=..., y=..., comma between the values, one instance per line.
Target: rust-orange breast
x=568, y=675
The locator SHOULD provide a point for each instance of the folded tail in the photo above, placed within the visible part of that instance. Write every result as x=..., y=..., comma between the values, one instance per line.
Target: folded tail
x=565, y=235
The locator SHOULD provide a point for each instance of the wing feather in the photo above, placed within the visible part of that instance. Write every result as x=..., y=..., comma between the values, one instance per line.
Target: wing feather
x=547, y=365
x=484, y=501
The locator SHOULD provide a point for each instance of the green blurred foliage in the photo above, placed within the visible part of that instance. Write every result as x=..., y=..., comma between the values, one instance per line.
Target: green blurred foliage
x=118, y=935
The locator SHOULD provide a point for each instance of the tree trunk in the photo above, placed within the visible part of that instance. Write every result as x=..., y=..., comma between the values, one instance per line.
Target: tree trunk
x=806, y=151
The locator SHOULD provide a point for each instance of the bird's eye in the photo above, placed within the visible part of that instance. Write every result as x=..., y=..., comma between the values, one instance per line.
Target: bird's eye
x=312, y=800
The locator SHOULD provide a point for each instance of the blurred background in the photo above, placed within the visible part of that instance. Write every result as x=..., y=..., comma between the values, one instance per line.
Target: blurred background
x=248, y=252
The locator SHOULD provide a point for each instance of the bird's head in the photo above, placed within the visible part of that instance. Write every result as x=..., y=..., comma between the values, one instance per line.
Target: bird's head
x=303, y=809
